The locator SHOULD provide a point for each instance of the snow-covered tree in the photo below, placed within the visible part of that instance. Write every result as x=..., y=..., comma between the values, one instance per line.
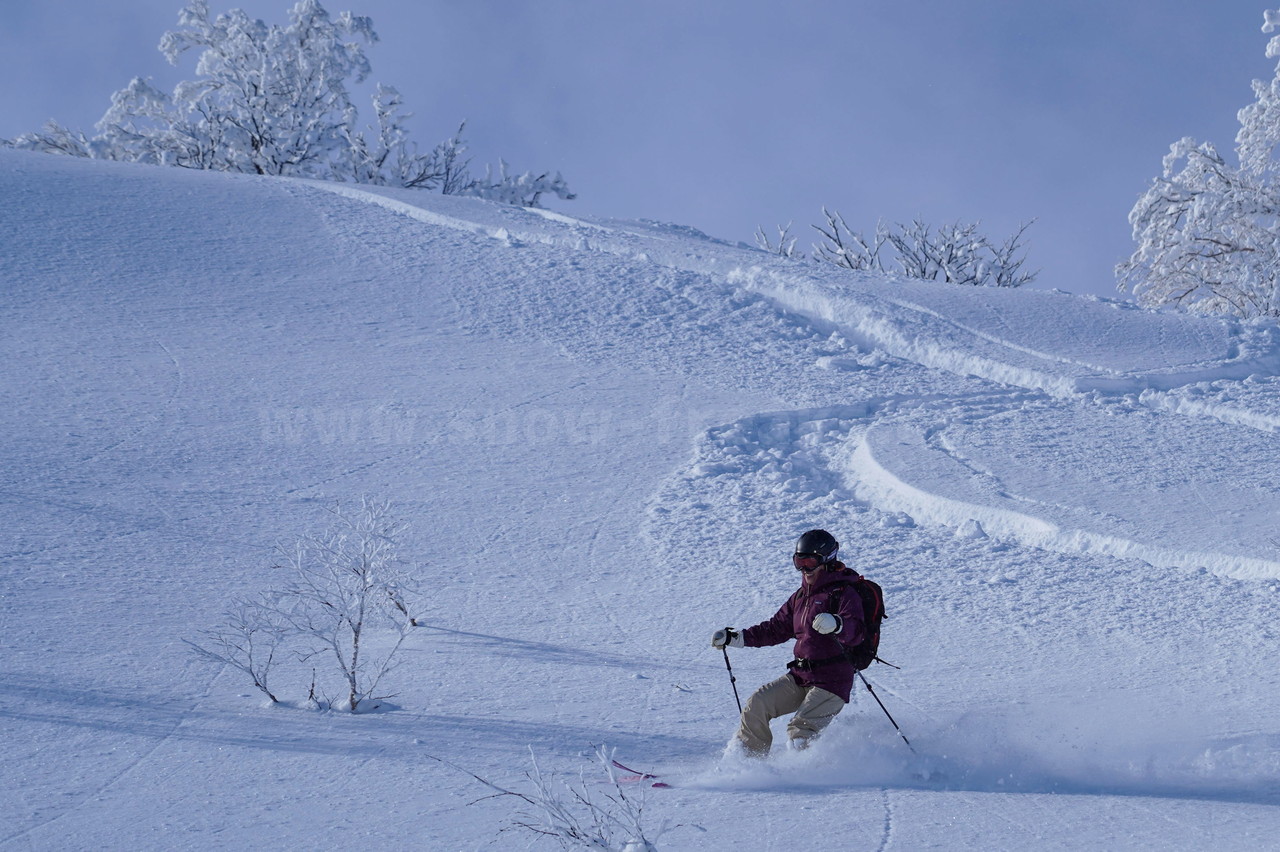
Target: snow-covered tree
x=389, y=153
x=392, y=159
x=1207, y=231
x=348, y=588
x=267, y=99
x=842, y=246
x=274, y=100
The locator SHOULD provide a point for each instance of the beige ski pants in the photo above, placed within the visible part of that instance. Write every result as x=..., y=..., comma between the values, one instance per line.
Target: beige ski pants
x=813, y=706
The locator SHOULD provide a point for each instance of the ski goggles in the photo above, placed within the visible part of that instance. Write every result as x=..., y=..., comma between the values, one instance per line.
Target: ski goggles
x=807, y=562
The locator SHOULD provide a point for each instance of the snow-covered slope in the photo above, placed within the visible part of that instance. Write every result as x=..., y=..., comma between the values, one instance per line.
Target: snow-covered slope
x=606, y=436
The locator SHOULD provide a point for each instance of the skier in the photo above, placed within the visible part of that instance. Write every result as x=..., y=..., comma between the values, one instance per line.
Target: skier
x=823, y=615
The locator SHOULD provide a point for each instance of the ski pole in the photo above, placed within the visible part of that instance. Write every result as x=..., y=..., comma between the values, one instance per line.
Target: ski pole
x=886, y=712
x=733, y=681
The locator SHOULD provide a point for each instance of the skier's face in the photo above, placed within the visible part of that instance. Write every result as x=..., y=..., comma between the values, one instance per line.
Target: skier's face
x=815, y=576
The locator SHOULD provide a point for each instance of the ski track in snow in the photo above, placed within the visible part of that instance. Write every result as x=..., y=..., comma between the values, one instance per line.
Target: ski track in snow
x=886, y=839
x=157, y=741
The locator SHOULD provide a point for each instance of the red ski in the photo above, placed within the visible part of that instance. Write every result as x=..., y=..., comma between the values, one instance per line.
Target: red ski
x=637, y=775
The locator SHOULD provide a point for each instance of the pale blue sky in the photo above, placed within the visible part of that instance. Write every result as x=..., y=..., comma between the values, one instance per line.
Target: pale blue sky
x=729, y=114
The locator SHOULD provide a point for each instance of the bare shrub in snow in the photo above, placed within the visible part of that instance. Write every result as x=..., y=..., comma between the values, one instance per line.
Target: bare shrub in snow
x=53, y=138
x=845, y=247
x=392, y=159
x=275, y=100
x=784, y=247
x=248, y=641
x=957, y=253
x=349, y=600
x=524, y=189
x=1208, y=232
x=577, y=818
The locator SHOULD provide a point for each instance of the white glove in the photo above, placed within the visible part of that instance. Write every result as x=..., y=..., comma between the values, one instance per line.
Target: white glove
x=825, y=622
x=727, y=637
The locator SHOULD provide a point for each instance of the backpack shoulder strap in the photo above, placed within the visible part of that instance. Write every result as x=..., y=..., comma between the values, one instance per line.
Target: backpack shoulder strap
x=836, y=591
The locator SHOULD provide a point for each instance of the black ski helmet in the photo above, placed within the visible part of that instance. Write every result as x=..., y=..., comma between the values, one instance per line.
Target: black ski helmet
x=821, y=542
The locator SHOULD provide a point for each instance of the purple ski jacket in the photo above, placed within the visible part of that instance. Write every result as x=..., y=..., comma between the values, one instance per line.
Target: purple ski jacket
x=795, y=621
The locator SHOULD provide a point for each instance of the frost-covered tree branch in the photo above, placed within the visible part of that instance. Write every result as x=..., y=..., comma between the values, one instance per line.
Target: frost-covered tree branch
x=53, y=138
x=842, y=246
x=784, y=247
x=524, y=190
x=1004, y=265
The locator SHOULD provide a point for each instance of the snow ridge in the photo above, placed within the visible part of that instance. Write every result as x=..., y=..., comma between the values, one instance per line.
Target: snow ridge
x=857, y=306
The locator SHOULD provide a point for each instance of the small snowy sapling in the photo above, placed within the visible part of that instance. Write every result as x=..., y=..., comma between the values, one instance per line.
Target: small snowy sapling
x=349, y=600
x=349, y=585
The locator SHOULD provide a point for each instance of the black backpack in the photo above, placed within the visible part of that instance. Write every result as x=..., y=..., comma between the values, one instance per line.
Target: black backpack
x=864, y=653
